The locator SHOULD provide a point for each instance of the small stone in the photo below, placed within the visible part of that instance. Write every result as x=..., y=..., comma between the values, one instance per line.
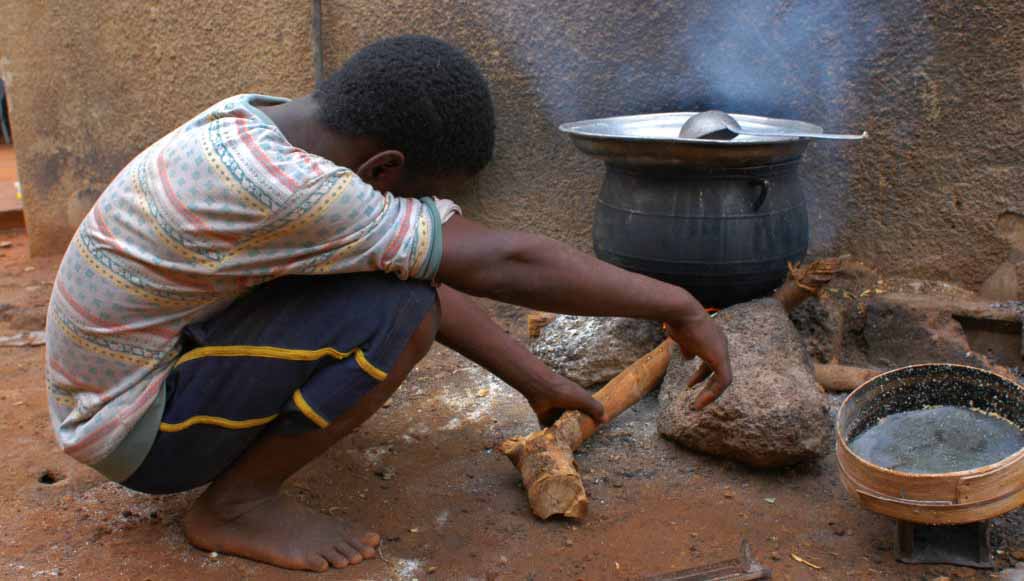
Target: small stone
x=1017, y=554
x=728, y=494
x=29, y=268
x=775, y=556
x=414, y=530
x=431, y=570
x=6, y=244
x=388, y=403
x=568, y=542
x=503, y=560
x=385, y=473
x=483, y=393
x=770, y=500
x=214, y=555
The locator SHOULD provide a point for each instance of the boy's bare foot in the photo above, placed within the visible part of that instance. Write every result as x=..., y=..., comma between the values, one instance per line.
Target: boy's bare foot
x=276, y=530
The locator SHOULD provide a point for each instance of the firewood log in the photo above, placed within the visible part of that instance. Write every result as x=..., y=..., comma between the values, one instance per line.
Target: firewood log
x=544, y=458
x=838, y=378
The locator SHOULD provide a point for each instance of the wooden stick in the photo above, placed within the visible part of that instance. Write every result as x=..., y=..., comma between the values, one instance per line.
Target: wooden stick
x=839, y=378
x=544, y=458
x=806, y=281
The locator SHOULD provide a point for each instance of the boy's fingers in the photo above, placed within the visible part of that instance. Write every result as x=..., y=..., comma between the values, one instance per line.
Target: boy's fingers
x=700, y=375
x=710, y=393
x=594, y=409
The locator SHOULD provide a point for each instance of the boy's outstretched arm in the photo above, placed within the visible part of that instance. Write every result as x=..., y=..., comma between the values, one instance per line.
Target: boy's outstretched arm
x=537, y=272
x=468, y=329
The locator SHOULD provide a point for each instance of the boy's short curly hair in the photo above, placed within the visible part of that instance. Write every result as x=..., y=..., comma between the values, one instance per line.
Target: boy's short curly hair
x=418, y=95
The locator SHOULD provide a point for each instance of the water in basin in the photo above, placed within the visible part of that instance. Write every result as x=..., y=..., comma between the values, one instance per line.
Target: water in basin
x=938, y=439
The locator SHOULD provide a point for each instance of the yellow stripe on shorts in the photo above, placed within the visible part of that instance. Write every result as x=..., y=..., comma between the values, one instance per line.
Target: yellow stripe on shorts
x=216, y=421
x=282, y=353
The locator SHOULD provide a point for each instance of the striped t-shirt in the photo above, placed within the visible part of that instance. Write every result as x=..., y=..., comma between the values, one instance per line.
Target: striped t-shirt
x=221, y=204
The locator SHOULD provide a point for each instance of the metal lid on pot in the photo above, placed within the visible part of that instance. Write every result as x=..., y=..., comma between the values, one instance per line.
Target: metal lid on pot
x=654, y=140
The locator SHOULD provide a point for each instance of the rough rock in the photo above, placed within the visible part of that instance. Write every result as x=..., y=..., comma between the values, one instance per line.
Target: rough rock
x=592, y=350
x=774, y=414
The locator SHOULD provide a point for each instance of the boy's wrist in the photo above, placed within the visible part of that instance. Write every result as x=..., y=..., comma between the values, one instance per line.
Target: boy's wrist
x=686, y=310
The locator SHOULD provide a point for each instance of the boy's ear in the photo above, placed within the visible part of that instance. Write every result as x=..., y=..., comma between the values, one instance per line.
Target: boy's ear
x=383, y=170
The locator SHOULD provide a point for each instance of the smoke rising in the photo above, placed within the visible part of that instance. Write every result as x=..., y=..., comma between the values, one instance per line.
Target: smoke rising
x=769, y=57
x=804, y=59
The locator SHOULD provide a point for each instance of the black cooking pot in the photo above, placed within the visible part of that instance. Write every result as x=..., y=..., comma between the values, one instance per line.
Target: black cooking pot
x=719, y=218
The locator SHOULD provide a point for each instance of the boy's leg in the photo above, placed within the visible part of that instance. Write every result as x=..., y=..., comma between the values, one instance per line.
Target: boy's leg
x=242, y=512
x=270, y=383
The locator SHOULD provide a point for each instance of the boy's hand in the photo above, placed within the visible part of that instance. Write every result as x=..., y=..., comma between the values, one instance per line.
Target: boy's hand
x=702, y=337
x=562, y=396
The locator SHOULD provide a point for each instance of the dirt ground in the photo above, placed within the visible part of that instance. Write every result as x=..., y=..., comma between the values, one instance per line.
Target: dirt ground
x=424, y=473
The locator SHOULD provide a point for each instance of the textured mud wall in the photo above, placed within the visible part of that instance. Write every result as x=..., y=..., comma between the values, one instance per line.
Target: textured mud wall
x=939, y=85
x=94, y=82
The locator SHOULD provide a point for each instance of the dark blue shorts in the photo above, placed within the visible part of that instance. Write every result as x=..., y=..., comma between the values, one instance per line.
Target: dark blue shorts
x=290, y=356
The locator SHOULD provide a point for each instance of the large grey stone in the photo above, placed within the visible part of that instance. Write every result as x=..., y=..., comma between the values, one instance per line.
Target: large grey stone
x=774, y=414
x=592, y=350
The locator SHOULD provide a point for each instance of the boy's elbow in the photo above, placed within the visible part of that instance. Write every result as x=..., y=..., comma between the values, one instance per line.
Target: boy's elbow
x=505, y=273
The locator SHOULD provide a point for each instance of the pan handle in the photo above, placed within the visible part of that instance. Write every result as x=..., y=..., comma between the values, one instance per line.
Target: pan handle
x=766, y=186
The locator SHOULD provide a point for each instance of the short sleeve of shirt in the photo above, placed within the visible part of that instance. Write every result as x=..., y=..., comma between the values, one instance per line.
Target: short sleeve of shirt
x=337, y=223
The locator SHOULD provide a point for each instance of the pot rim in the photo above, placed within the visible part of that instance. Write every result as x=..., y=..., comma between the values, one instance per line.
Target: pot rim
x=588, y=128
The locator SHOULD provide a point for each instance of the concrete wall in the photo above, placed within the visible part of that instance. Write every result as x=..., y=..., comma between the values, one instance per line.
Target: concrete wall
x=939, y=85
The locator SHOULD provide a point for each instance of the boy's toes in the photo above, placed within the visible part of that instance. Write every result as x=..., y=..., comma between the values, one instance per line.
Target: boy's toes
x=317, y=563
x=352, y=555
x=368, y=544
x=337, y=559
